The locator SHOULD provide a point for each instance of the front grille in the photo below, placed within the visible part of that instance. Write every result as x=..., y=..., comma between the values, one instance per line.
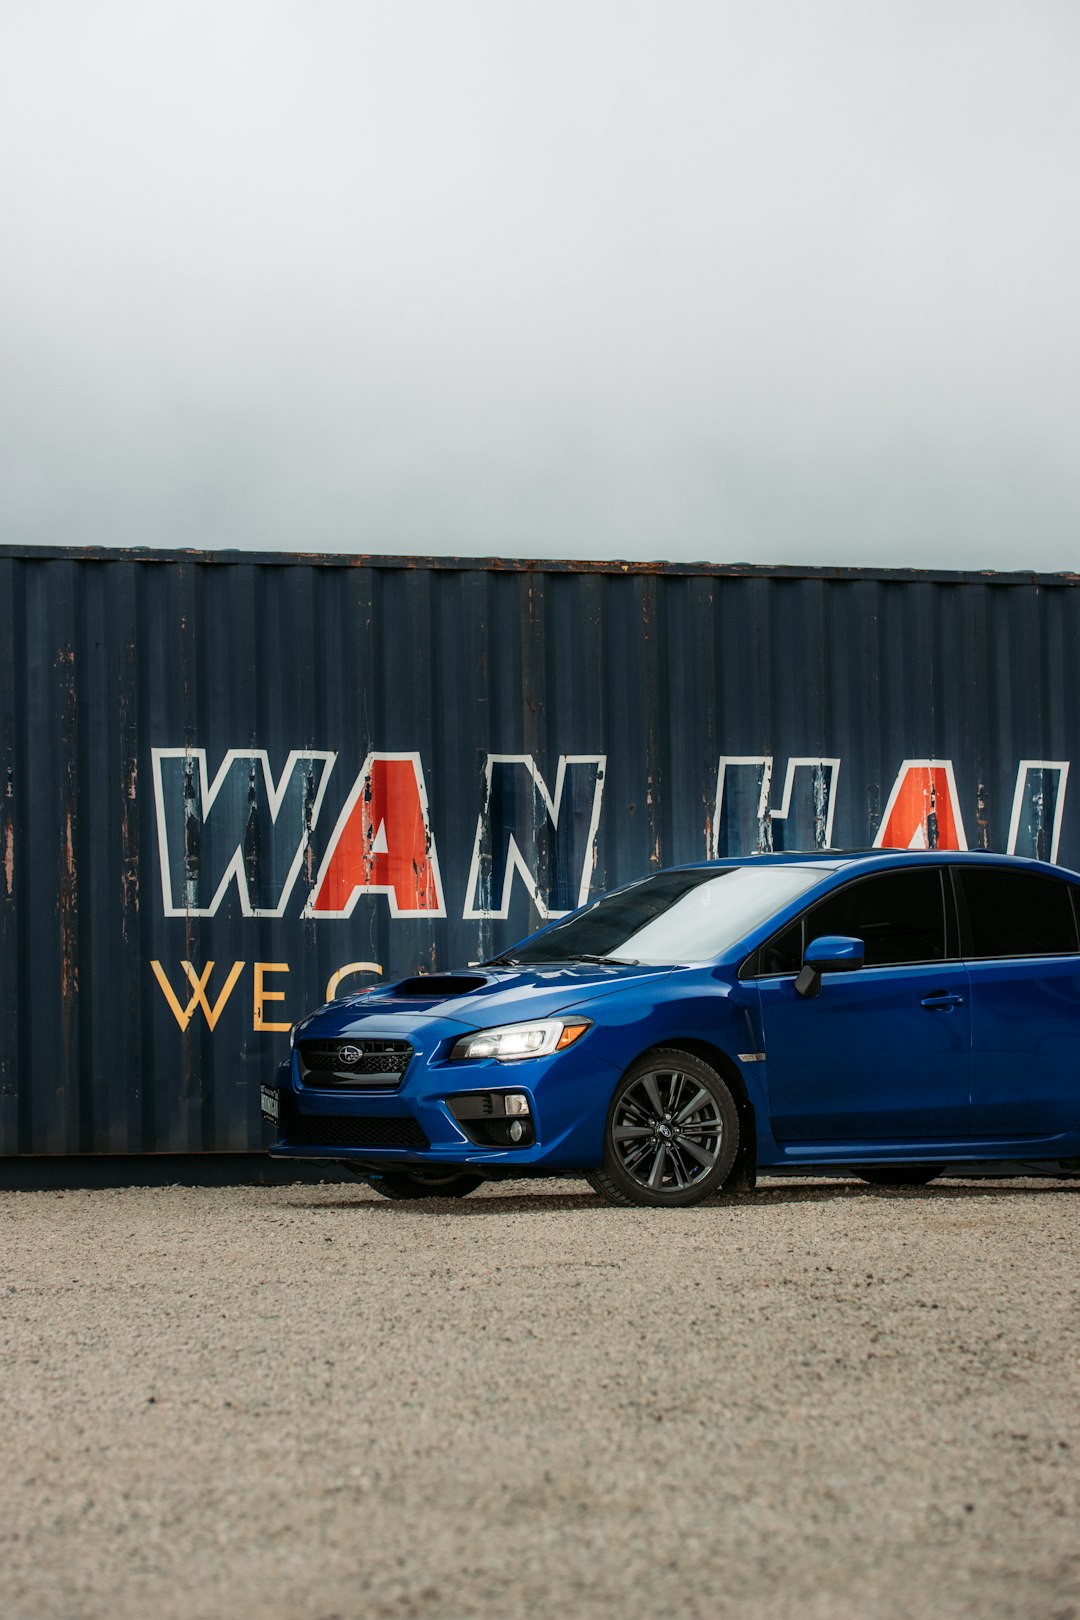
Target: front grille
x=349, y=1131
x=381, y=1062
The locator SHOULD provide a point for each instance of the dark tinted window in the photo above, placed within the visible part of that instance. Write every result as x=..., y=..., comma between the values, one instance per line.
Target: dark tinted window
x=899, y=916
x=1017, y=913
x=782, y=953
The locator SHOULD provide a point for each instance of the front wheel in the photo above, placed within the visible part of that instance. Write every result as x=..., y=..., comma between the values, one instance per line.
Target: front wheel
x=422, y=1184
x=672, y=1133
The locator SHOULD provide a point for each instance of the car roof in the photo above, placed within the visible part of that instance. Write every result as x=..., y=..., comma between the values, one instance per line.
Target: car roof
x=835, y=860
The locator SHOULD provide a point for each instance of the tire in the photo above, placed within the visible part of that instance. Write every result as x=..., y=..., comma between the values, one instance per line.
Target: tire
x=401, y=1184
x=671, y=1136
x=899, y=1175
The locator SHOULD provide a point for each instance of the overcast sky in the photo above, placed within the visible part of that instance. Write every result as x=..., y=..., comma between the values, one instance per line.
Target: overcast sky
x=713, y=280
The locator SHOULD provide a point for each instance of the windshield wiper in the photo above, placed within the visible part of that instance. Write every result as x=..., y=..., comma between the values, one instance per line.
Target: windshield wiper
x=616, y=961
x=501, y=961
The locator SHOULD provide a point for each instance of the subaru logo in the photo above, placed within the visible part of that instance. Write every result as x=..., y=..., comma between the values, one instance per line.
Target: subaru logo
x=349, y=1055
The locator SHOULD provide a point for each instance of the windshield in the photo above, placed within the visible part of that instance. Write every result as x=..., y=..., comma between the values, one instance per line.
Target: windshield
x=687, y=916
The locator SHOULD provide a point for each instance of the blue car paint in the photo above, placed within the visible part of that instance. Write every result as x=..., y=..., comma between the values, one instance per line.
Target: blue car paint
x=779, y=1044
x=1024, y=1061
x=503, y=995
x=903, y=1072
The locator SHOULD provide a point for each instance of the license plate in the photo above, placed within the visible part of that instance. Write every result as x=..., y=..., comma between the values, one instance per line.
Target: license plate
x=269, y=1100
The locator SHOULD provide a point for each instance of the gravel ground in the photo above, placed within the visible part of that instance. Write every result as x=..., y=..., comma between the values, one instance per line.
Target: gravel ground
x=823, y=1401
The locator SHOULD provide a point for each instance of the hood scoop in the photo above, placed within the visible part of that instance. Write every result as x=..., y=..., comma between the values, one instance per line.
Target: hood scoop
x=429, y=986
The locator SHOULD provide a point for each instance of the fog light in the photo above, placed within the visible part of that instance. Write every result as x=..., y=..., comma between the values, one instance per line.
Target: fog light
x=517, y=1131
x=516, y=1102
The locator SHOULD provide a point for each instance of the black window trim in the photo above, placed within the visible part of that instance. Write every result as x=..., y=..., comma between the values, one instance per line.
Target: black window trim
x=954, y=937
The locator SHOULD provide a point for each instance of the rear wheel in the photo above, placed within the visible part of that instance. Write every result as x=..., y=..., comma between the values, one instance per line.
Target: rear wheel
x=421, y=1184
x=899, y=1175
x=672, y=1133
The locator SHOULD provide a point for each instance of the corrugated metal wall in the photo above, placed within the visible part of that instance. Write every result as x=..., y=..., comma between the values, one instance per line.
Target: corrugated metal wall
x=223, y=780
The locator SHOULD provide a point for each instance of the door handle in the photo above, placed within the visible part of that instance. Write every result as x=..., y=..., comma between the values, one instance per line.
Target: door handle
x=942, y=1002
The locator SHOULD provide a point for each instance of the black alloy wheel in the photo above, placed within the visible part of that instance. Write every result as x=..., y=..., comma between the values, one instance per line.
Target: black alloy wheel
x=672, y=1133
x=400, y=1184
x=899, y=1175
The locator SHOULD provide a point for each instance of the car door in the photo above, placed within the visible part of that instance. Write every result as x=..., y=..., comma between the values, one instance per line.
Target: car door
x=1020, y=943
x=882, y=1054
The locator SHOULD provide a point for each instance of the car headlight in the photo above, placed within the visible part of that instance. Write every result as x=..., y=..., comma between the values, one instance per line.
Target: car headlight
x=511, y=1042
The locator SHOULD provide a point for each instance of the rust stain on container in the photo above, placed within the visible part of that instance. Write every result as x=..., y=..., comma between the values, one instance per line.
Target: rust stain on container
x=129, y=846
x=69, y=901
x=8, y=819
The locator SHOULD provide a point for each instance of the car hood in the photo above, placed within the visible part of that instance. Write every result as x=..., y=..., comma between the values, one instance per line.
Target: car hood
x=481, y=997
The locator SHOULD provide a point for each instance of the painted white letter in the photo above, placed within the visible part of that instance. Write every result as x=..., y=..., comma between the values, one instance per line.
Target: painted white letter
x=548, y=839
x=242, y=827
x=744, y=820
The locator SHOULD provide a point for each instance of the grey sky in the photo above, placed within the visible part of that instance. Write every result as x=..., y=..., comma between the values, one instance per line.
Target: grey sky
x=686, y=280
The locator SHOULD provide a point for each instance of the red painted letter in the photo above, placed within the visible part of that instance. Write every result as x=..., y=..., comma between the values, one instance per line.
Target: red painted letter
x=923, y=811
x=382, y=845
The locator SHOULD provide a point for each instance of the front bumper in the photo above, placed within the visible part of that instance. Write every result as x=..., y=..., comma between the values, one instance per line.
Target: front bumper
x=446, y=1113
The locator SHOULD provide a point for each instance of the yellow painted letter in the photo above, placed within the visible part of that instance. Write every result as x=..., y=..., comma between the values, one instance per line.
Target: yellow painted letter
x=343, y=973
x=198, y=983
x=262, y=995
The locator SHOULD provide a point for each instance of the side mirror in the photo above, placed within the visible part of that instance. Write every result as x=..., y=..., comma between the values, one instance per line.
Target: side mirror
x=832, y=953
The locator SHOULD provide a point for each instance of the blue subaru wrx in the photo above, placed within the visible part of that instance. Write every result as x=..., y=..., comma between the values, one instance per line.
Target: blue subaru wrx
x=883, y=1014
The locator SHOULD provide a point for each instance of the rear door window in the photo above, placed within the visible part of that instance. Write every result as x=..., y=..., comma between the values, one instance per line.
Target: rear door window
x=1014, y=913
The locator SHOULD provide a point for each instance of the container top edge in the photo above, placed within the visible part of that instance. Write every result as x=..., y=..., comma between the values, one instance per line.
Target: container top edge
x=515, y=565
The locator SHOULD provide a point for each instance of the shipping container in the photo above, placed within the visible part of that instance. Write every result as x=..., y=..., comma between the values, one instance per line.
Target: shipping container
x=234, y=785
